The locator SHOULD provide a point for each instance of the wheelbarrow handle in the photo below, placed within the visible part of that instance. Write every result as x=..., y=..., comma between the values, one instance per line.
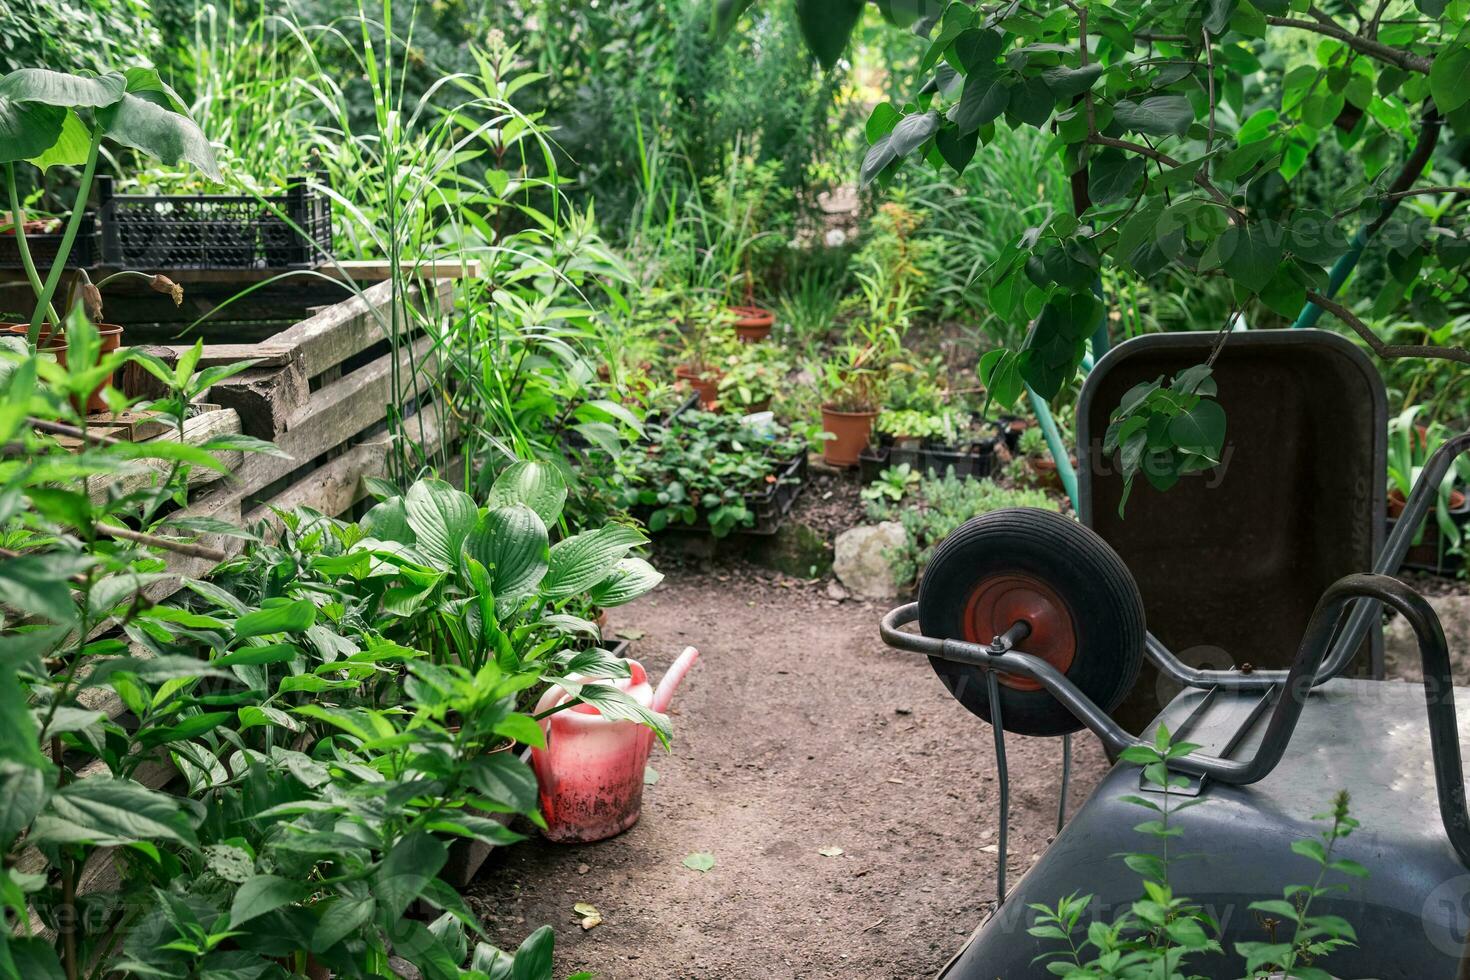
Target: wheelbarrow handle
x=1444, y=738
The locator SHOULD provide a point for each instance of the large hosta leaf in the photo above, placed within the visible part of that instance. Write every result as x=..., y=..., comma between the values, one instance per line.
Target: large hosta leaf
x=631, y=578
x=512, y=544
x=540, y=486
x=584, y=560
x=441, y=518
x=159, y=132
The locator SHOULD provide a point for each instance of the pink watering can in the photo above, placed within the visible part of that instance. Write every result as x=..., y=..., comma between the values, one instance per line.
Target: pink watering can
x=591, y=771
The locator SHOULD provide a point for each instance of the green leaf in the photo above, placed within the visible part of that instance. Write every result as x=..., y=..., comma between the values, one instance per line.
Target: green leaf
x=1112, y=176
x=1252, y=253
x=826, y=26
x=1200, y=430
x=60, y=89
x=159, y=132
x=405, y=870
x=441, y=518
x=1158, y=115
x=288, y=617
x=512, y=544
x=38, y=585
x=985, y=97
x=1449, y=77
x=909, y=133
x=631, y=578
x=1065, y=83
x=262, y=894
x=699, y=862
x=28, y=129
x=582, y=561
x=22, y=794
x=110, y=812
x=956, y=150
x=505, y=780
x=343, y=917
x=539, y=486
x=533, y=959
x=1032, y=101
x=388, y=521
x=190, y=727
x=1000, y=374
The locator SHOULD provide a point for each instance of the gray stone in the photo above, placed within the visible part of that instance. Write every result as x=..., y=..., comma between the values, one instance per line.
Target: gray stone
x=836, y=592
x=860, y=562
x=1401, y=650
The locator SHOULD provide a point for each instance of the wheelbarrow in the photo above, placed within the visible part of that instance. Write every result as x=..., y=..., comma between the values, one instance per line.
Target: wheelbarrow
x=1037, y=625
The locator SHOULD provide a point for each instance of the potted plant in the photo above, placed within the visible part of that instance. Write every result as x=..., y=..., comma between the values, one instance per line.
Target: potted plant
x=1410, y=444
x=751, y=376
x=50, y=111
x=851, y=383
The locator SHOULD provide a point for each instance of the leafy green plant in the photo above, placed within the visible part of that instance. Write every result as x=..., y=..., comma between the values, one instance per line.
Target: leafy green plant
x=945, y=427
x=705, y=467
x=1167, y=432
x=1161, y=933
x=1410, y=444
x=52, y=118
x=893, y=484
x=752, y=375
x=936, y=509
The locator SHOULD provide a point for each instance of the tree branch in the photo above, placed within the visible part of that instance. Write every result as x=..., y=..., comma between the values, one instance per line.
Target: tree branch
x=1374, y=49
x=1384, y=350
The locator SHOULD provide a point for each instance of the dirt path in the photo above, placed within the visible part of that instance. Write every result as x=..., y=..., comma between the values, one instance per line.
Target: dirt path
x=797, y=731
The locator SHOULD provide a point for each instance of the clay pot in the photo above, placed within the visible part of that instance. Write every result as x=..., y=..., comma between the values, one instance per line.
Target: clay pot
x=706, y=383
x=1397, y=502
x=1044, y=470
x=753, y=323
x=850, y=433
x=111, y=336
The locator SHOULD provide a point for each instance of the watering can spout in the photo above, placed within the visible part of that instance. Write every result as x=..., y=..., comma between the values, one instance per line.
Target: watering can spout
x=667, y=686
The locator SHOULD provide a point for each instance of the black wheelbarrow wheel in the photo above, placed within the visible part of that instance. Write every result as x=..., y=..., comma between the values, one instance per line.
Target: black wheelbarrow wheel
x=1083, y=607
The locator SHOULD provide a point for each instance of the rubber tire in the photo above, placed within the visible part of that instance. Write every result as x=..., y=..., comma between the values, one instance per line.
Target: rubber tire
x=1089, y=577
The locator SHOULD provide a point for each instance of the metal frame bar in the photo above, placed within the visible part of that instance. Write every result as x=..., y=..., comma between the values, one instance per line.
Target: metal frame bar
x=1298, y=684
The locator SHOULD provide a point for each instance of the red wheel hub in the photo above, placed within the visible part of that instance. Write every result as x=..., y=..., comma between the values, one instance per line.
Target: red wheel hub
x=996, y=603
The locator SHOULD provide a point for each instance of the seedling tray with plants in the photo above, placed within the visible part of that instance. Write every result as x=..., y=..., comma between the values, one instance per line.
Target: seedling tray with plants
x=714, y=474
x=43, y=240
x=216, y=231
x=974, y=459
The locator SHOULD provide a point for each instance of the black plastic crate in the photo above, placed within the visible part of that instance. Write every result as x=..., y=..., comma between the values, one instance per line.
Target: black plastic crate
x=85, y=248
x=872, y=461
x=216, y=231
x=975, y=461
x=770, y=505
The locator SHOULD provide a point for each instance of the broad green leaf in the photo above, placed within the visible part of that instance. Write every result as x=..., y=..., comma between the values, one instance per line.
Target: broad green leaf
x=38, y=584
x=71, y=147
x=441, y=518
x=533, y=958
x=28, y=129
x=583, y=560
x=343, y=917
x=1067, y=82
x=1112, y=176
x=826, y=25
x=61, y=89
x=505, y=780
x=1157, y=115
x=1449, y=77
x=107, y=811
x=984, y=99
x=538, y=485
x=288, y=617
x=265, y=893
x=1251, y=253
x=388, y=521
x=907, y=135
x=22, y=794
x=512, y=544
x=401, y=875
x=631, y=578
x=159, y=132
x=1200, y=430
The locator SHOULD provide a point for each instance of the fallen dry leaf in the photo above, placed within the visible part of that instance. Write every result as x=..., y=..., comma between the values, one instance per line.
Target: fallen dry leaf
x=591, y=918
x=830, y=851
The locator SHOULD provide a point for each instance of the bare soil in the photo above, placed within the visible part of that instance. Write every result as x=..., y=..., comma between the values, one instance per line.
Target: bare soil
x=797, y=731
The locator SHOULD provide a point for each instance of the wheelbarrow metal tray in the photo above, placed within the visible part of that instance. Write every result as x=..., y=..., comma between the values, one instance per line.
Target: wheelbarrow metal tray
x=1367, y=737
x=1231, y=561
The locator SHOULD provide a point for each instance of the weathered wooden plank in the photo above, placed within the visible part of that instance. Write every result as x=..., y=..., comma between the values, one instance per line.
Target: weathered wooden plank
x=268, y=353
x=335, y=487
x=336, y=333
x=197, y=430
x=333, y=415
x=265, y=398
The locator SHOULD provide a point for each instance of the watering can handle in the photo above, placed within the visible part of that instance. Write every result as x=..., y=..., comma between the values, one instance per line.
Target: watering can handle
x=1444, y=736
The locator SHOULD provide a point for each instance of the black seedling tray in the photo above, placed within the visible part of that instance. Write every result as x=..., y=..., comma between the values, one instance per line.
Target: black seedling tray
x=216, y=231
x=85, y=249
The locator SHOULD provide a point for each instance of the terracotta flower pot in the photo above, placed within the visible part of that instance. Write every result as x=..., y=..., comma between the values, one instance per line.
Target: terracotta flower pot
x=850, y=433
x=1044, y=470
x=111, y=336
x=753, y=323
x=706, y=383
x=1397, y=503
